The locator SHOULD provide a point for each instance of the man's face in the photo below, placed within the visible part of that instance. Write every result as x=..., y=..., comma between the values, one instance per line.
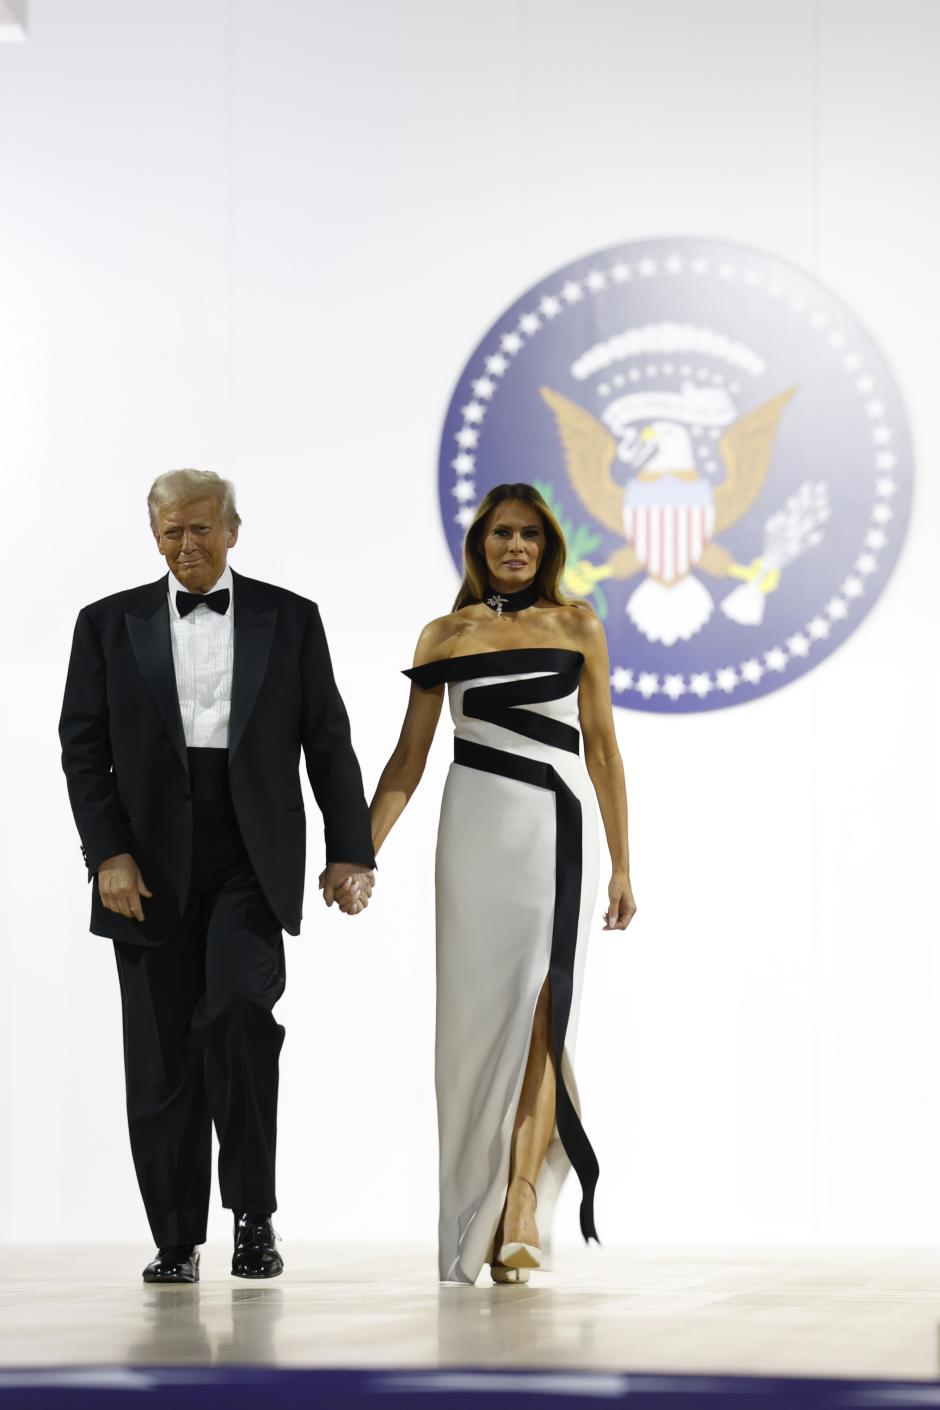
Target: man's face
x=195, y=542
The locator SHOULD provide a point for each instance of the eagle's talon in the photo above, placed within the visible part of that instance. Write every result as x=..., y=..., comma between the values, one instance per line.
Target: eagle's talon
x=766, y=579
x=582, y=577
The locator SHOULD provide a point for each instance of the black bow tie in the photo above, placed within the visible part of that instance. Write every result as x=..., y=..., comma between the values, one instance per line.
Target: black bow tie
x=187, y=602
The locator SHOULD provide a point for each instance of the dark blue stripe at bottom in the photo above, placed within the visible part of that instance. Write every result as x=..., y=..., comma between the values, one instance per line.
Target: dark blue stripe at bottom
x=236, y=1388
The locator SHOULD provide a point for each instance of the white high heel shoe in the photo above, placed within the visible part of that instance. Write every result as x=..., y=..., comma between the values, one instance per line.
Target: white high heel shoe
x=501, y=1274
x=522, y=1257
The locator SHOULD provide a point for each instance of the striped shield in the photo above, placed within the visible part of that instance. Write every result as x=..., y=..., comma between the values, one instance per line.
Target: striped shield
x=669, y=539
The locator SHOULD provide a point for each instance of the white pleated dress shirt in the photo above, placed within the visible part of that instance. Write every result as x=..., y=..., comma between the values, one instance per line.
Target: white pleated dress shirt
x=203, y=657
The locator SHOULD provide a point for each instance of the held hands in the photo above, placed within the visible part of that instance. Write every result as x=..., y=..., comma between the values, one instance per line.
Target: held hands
x=121, y=886
x=622, y=907
x=349, y=884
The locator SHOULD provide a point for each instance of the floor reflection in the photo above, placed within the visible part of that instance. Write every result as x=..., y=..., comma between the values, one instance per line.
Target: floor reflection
x=515, y=1326
x=204, y=1326
x=170, y=1315
x=254, y=1314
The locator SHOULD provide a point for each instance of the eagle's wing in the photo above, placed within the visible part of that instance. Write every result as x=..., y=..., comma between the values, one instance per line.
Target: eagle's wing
x=589, y=453
x=745, y=449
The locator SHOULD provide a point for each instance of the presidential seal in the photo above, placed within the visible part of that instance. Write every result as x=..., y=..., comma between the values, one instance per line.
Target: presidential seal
x=725, y=447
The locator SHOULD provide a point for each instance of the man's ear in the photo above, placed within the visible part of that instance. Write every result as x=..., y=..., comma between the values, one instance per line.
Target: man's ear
x=156, y=539
x=233, y=537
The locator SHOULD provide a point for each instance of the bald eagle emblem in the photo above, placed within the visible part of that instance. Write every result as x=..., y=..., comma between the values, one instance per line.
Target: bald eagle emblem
x=670, y=515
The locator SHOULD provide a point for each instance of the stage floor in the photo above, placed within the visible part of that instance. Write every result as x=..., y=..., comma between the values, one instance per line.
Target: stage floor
x=858, y=1315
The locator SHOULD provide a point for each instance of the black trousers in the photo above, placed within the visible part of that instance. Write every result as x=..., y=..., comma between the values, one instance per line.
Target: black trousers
x=201, y=1044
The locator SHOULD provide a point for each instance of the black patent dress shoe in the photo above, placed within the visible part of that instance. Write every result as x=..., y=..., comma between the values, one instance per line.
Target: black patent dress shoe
x=175, y=1263
x=255, y=1255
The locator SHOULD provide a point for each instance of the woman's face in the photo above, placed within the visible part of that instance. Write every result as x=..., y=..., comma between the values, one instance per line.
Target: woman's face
x=513, y=544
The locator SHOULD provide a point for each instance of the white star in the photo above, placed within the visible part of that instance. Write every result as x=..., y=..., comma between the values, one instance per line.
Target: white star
x=596, y=281
x=818, y=628
x=865, y=563
x=700, y=684
x=836, y=339
x=886, y=460
x=511, y=342
x=865, y=384
x=886, y=486
x=852, y=362
x=775, y=659
x=463, y=463
x=648, y=684
x=837, y=609
x=726, y=270
x=621, y=679
x=530, y=323
x=674, y=264
x=484, y=388
x=651, y=369
x=621, y=273
x=875, y=539
x=550, y=306
x=571, y=293
x=674, y=686
x=496, y=364
x=466, y=438
x=464, y=490
x=818, y=319
x=882, y=513
x=618, y=379
x=473, y=411
x=797, y=645
x=668, y=369
x=776, y=291
x=751, y=671
x=726, y=679
x=881, y=434
x=875, y=408
x=634, y=374
x=604, y=389
x=647, y=267
x=852, y=587
x=464, y=515
x=700, y=265
x=751, y=279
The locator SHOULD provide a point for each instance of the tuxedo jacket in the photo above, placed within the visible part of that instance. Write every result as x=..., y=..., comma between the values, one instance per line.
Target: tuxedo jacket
x=125, y=761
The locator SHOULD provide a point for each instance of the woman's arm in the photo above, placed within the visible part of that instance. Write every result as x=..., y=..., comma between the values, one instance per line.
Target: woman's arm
x=402, y=773
x=605, y=766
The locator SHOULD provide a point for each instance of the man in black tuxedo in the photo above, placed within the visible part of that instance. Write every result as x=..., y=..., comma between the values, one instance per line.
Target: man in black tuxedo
x=187, y=704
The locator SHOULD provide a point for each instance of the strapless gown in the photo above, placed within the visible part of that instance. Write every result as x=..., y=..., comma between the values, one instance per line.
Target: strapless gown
x=516, y=886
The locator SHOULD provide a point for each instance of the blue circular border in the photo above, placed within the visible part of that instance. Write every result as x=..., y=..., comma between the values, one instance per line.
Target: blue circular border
x=573, y=293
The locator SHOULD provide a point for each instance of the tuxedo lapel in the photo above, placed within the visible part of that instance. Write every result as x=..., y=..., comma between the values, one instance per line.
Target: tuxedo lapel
x=150, y=640
x=254, y=632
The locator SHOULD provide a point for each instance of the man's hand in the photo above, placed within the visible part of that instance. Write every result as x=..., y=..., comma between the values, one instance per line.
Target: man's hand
x=349, y=884
x=121, y=886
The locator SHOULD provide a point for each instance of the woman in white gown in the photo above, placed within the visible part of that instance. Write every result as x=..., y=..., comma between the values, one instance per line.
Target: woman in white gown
x=516, y=879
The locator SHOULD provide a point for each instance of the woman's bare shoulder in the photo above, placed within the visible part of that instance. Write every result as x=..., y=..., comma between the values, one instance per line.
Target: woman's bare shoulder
x=439, y=637
x=585, y=630
x=580, y=619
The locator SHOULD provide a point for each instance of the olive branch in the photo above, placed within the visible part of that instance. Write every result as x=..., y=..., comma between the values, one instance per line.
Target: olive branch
x=581, y=539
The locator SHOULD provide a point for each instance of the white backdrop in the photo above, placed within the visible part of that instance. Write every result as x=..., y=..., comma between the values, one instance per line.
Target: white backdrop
x=262, y=239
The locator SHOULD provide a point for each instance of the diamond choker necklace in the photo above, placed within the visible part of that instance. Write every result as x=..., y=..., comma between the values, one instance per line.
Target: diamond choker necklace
x=501, y=602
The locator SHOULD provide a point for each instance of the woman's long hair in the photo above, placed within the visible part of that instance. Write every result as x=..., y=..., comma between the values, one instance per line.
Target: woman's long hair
x=548, y=576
